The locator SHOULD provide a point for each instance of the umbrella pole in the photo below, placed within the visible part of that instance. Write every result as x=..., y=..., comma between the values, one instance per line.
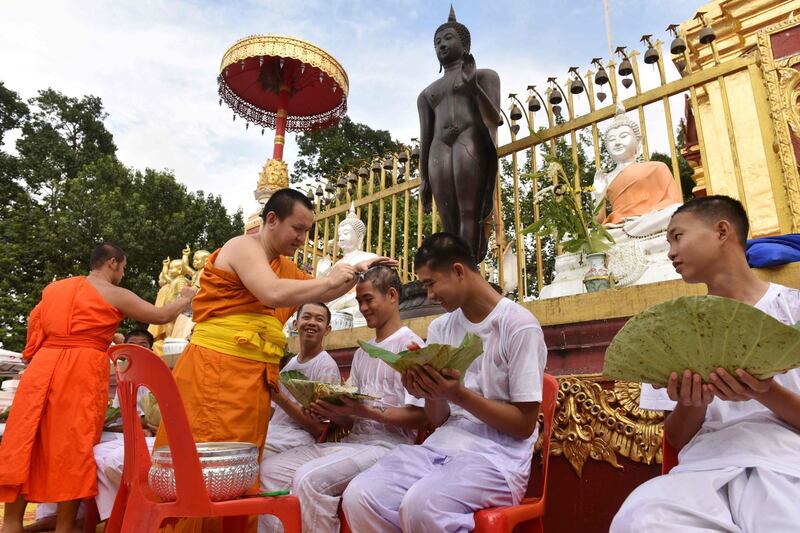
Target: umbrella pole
x=280, y=123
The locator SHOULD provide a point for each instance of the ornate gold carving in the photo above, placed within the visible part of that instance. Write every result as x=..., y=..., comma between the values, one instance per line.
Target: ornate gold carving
x=783, y=93
x=285, y=46
x=597, y=423
x=274, y=176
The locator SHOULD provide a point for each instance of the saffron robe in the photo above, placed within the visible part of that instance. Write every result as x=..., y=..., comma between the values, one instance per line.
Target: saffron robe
x=59, y=408
x=640, y=189
x=227, y=396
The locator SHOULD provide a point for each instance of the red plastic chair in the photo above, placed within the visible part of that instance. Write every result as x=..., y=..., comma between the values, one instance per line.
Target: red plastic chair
x=136, y=508
x=669, y=457
x=529, y=513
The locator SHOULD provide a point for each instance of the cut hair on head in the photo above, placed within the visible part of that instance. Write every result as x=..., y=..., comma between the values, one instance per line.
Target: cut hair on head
x=718, y=207
x=320, y=304
x=103, y=253
x=282, y=203
x=140, y=333
x=442, y=250
x=382, y=278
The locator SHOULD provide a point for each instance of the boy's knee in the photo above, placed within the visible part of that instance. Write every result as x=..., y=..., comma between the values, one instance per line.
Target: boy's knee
x=418, y=510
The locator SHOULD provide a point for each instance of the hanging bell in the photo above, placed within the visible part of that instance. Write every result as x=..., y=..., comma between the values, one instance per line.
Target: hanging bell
x=329, y=187
x=575, y=87
x=302, y=68
x=376, y=165
x=555, y=97
x=601, y=96
x=707, y=35
x=220, y=101
x=241, y=63
x=627, y=82
x=515, y=113
x=625, y=68
x=341, y=182
x=319, y=190
x=601, y=78
x=363, y=173
x=334, y=87
x=262, y=132
x=352, y=179
x=678, y=46
x=515, y=129
x=557, y=110
x=280, y=62
x=680, y=65
x=388, y=163
x=310, y=195
x=534, y=104
x=247, y=126
x=415, y=152
x=321, y=77
x=234, y=117
x=260, y=61
x=402, y=157
x=351, y=191
x=340, y=196
x=651, y=56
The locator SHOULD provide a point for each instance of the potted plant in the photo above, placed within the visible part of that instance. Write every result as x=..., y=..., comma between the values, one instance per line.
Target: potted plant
x=576, y=229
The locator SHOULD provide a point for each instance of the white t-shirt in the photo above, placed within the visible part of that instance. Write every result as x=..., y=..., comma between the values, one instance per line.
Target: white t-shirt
x=374, y=377
x=743, y=434
x=511, y=369
x=284, y=433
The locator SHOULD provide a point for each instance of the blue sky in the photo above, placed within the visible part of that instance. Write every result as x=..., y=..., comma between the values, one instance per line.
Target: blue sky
x=154, y=64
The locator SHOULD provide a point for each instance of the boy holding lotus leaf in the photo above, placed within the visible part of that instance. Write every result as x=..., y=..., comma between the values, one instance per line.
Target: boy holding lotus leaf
x=480, y=455
x=739, y=436
x=318, y=473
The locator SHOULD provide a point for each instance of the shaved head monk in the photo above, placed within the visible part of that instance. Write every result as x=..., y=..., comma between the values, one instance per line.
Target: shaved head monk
x=248, y=290
x=58, y=412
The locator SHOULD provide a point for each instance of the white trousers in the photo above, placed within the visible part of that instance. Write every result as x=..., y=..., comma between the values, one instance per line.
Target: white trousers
x=416, y=490
x=317, y=475
x=109, y=457
x=735, y=500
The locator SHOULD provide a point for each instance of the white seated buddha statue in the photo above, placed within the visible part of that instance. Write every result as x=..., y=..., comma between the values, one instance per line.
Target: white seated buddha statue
x=642, y=196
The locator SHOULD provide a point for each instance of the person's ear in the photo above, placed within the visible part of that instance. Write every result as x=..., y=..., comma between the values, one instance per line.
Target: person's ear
x=458, y=270
x=724, y=230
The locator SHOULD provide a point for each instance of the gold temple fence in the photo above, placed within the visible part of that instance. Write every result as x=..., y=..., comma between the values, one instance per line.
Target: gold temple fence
x=730, y=143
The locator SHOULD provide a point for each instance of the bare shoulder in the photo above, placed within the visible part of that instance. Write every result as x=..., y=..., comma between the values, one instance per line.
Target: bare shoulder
x=246, y=245
x=489, y=75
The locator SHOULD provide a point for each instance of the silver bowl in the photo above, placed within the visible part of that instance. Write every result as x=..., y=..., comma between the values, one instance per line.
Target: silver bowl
x=229, y=469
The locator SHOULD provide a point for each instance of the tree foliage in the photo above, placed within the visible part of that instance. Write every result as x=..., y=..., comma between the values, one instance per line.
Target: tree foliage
x=65, y=191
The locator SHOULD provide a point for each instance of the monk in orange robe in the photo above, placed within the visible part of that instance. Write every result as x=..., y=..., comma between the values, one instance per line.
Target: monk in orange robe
x=248, y=291
x=641, y=188
x=59, y=408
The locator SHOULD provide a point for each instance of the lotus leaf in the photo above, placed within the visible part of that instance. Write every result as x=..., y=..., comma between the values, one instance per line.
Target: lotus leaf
x=701, y=333
x=112, y=413
x=307, y=391
x=438, y=356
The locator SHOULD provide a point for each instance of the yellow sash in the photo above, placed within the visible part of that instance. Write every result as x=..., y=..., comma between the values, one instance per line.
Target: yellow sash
x=248, y=335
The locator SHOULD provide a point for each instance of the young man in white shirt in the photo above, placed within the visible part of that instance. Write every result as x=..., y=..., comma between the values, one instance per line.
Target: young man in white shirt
x=739, y=437
x=317, y=474
x=480, y=454
x=291, y=426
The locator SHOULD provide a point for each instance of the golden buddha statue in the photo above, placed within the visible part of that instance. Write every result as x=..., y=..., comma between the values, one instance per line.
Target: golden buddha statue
x=172, y=281
x=198, y=264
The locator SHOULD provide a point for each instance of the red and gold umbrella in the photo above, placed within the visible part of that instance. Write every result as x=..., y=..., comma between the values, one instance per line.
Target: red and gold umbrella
x=283, y=83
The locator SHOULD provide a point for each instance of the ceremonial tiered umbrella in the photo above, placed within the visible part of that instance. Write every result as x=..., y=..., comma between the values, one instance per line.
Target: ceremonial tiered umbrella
x=282, y=83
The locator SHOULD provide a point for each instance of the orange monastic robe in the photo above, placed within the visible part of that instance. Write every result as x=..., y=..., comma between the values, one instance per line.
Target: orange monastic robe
x=226, y=397
x=59, y=408
x=639, y=189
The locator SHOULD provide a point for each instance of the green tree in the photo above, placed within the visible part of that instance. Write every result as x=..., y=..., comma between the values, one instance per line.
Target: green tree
x=325, y=154
x=66, y=191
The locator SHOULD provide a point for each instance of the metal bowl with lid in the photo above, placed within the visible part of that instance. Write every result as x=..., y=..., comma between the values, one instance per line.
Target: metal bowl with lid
x=229, y=469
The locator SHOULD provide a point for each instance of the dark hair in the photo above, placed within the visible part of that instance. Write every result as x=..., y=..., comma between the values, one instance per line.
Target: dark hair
x=282, y=203
x=442, y=250
x=382, y=278
x=327, y=310
x=717, y=207
x=103, y=252
x=140, y=333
